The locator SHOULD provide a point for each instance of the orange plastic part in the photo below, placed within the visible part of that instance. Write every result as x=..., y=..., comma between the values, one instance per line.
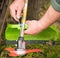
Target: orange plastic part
x=13, y=52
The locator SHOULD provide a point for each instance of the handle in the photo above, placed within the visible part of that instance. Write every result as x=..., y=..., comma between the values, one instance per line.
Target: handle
x=24, y=18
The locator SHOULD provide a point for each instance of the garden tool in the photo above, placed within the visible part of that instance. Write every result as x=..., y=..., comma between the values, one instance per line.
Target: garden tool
x=21, y=49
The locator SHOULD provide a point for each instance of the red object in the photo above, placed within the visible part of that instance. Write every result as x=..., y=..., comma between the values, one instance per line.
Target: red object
x=33, y=50
x=13, y=52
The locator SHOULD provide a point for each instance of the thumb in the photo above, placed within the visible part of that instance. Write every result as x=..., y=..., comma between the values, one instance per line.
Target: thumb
x=27, y=31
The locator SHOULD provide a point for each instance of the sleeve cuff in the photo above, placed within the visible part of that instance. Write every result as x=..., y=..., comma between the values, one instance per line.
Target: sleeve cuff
x=56, y=5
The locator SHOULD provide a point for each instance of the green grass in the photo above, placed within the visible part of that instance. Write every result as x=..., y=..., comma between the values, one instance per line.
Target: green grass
x=49, y=51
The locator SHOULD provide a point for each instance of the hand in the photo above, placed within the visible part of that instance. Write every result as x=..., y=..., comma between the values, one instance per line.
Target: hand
x=16, y=9
x=33, y=27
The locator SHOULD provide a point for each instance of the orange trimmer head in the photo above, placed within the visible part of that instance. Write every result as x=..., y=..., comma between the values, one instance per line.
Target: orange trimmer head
x=13, y=52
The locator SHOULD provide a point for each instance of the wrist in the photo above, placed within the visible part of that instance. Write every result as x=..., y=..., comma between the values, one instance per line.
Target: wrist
x=40, y=26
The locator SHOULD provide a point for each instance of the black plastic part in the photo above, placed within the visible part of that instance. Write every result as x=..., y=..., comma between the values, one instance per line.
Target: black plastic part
x=29, y=41
x=21, y=38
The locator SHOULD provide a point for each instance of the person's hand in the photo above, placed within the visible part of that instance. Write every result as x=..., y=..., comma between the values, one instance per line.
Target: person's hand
x=33, y=27
x=16, y=9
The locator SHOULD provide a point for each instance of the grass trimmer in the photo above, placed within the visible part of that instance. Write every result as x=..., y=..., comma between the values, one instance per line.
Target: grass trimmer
x=21, y=49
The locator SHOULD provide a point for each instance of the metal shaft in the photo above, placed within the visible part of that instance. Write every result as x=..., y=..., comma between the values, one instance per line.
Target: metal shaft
x=24, y=18
x=21, y=38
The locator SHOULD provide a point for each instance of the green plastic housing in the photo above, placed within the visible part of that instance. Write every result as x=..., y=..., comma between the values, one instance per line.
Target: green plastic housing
x=12, y=32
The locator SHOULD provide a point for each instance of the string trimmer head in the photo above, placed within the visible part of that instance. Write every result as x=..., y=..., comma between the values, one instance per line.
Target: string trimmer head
x=13, y=52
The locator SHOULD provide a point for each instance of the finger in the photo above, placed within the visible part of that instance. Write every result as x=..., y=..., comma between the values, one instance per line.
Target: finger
x=28, y=22
x=28, y=31
x=13, y=13
x=19, y=10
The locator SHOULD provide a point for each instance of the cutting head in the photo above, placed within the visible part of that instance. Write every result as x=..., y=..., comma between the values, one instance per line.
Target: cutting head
x=13, y=52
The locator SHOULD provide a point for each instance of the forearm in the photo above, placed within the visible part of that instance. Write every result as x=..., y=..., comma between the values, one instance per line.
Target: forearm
x=50, y=17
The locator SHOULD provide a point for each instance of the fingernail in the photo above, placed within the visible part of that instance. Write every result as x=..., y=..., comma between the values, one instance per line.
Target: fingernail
x=18, y=17
x=17, y=20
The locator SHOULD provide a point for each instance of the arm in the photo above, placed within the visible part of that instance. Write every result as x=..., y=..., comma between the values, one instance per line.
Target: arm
x=52, y=14
x=50, y=17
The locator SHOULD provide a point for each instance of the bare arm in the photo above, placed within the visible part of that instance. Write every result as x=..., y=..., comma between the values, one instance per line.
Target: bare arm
x=50, y=17
x=37, y=26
